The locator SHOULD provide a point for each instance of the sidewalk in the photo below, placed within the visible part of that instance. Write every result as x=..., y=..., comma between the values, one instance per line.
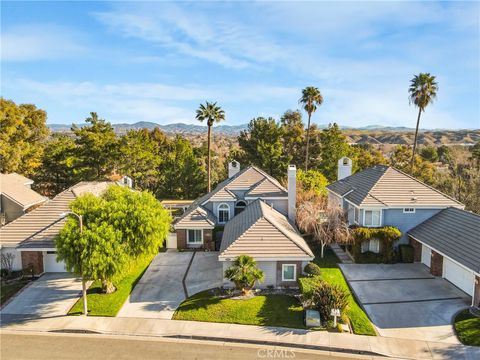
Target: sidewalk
x=320, y=340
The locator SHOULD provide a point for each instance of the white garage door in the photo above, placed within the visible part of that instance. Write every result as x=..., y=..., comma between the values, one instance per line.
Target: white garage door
x=426, y=255
x=172, y=241
x=458, y=276
x=50, y=263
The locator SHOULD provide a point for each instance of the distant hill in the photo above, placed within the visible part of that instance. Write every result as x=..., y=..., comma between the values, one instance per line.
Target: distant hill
x=373, y=134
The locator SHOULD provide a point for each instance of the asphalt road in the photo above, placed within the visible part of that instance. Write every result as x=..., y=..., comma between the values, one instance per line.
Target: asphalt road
x=39, y=346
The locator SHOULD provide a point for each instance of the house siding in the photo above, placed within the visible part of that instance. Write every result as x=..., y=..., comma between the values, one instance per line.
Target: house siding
x=405, y=222
x=17, y=260
x=279, y=205
x=181, y=239
x=292, y=284
x=11, y=209
x=34, y=260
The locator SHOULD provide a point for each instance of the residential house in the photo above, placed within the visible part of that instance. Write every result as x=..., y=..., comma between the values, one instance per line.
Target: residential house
x=449, y=244
x=16, y=197
x=254, y=215
x=31, y=236
x=385, y=196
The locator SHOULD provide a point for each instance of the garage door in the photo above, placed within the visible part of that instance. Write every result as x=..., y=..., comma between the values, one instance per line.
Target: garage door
x=50, y=263
x=458, y=276
x=426, y=255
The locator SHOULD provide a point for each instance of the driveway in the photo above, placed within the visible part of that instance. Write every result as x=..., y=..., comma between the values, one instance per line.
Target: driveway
x=406, y=301
x=53, y=294
x=161, y=289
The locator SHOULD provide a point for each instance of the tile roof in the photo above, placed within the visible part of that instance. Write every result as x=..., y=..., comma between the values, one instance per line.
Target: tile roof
x=262, y=232
x=246, y=179
x=16, y=187
x=39, y=227
x=197, y=217
x=389, y=187
x=454, y=233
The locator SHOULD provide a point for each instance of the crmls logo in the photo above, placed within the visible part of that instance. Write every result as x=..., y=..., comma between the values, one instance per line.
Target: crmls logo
x=275, y=353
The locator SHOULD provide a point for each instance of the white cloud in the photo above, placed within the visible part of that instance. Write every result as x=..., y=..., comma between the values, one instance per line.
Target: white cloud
x=38, y=42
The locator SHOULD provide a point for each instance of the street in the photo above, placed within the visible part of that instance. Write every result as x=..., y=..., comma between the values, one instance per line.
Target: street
x=51, y=346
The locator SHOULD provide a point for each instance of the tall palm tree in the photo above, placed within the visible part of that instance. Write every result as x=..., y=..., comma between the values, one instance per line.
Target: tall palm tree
x=211, y=113
x=423, y=90
x=311, y=99
x=244, y=273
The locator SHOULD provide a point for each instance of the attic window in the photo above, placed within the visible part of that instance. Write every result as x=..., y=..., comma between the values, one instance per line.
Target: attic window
x=240, y=206
x=409, y=210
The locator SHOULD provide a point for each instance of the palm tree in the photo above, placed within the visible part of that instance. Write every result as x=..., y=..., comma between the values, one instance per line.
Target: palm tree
x=423, y=90
x=244, y=273
x=311, y=98
x=212, y=113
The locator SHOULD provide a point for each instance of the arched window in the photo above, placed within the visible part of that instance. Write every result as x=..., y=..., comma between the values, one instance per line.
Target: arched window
x=240, y=206
x=223, y=213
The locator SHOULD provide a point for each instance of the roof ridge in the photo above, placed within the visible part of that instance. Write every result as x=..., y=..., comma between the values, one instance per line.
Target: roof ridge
x=376, y=183
x=424, y=184
x=270, y=177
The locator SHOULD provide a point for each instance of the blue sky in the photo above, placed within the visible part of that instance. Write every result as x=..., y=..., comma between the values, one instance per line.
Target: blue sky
x=156, y=61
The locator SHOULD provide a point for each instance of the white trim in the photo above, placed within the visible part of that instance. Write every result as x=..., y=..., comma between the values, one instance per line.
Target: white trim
x=36, y=249
x=409, y=212
x=231, y=258
x=266, y=197
x=195, y=242
x=294, y=272
x=218, y=212
x=186, y=227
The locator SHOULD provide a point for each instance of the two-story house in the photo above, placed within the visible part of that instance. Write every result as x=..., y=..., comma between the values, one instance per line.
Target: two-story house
x=257, y=215
x=385, y=196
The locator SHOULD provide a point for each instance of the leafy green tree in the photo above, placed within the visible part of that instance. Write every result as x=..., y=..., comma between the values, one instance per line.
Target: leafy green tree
x=212, y=114
x=97, y=148
x=444, y=154
x=23, y=132
x=312, y=180
x=182, y=173
x=365, y=156
x=139, y=158
x=311, y=99
x=429, y=153
x=422, y=170
x=293, y=136
x=244, y=273
x=261, y=144
x=57, y=171
x=423, y=90
x=333, y=145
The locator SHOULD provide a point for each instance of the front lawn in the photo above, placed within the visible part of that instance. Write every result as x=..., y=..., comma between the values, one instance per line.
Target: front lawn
x=467, y=327
x=10, y=289
x=268, y=310
x=330, y=272
x=100, y=304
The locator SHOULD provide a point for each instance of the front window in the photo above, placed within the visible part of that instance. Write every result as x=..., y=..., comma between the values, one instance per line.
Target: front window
x=240, y=206
x=372, y=218
x=356, y=217
x=194, y=237
x=223, y=213
x=372, y=245
x=289, y=272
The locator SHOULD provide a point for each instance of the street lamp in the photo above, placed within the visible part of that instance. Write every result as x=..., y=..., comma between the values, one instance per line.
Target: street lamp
x=84, y=284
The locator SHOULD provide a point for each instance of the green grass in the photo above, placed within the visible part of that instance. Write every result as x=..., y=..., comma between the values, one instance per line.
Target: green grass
x=330, y=272
x=100, y=304
x=268, y=310
x=467, y=327
x=8, y=290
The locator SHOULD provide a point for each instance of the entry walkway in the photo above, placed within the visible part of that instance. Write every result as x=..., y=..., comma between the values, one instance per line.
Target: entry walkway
x=370, y=346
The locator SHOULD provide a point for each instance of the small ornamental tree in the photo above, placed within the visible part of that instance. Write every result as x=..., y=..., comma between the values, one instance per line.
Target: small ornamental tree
x=324, y=297
x=244, y=273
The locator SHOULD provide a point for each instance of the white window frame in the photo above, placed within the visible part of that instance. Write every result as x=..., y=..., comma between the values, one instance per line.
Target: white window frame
x=379, y=218
x=294, y=272
x=409, y=210
x=235, y=207
x=194, y=242
x=372, y=245
x=218, y=212
x=356, y=215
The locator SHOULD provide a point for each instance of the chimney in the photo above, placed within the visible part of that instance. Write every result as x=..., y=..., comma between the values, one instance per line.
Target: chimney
x=292, y=192
x=344, y=168
x=233, y=168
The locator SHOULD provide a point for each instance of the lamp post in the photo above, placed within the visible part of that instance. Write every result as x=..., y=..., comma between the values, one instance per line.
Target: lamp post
x=84, y=283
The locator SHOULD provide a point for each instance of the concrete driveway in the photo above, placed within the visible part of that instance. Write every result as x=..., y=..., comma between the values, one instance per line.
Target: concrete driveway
x=406, y=301
x=53, y=294
x=162, y=288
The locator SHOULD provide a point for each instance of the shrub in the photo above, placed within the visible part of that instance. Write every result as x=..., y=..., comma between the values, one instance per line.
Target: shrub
x=406, y=253
x=324, y=297
x=244, y=273
x=386, y=235
x=312, y=269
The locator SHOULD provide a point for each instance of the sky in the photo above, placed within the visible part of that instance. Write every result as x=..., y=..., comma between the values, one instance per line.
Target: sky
x=157, y=61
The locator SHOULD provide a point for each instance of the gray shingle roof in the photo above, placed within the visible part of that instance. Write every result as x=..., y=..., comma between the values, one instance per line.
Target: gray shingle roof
x=262, y=232
x=16, y=187
x=383, y=185
x=455, y=233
